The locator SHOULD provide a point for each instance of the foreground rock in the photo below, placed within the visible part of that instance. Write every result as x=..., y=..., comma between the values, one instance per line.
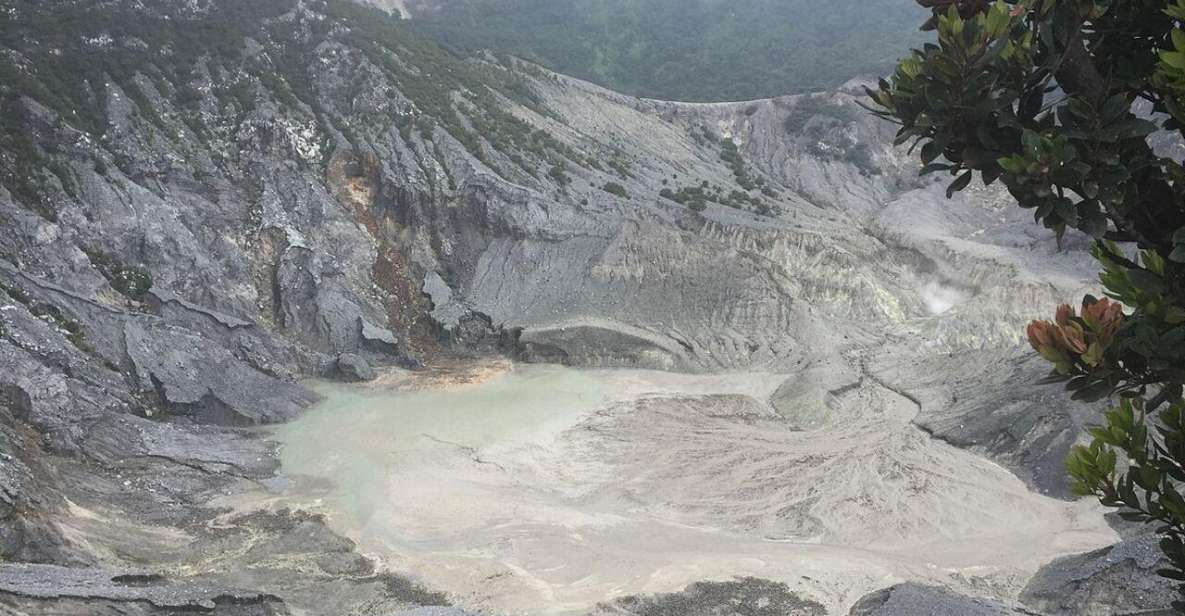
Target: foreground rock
x=35, y=589
x=351, y=367
x=916, y=599
x=1120, y=579
x=752, y=596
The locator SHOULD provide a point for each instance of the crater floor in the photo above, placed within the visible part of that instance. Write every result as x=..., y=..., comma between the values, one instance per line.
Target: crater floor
x=532, y=489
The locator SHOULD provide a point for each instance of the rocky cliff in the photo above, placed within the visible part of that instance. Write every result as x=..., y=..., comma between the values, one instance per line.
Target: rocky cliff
x=203, y=201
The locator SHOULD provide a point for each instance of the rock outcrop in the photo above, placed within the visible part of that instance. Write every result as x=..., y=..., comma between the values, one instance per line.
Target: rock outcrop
x=761, y=598
x=1120, y=579
x=914, y=599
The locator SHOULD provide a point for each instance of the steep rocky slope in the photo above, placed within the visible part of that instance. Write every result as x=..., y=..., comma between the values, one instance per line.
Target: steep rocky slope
x=204, y=201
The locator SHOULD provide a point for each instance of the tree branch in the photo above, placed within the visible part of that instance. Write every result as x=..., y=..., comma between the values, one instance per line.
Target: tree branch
x=1155, y=214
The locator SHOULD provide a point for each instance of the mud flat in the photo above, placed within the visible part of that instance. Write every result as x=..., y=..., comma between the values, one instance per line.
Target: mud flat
x=545, y=490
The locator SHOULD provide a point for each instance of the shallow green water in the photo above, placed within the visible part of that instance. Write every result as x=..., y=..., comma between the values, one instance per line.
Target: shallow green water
x=358, y=435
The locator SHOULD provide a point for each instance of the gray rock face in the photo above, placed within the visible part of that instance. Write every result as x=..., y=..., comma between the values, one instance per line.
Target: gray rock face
x=743, y=595
x=101, y=586
x=351, y=367
x=360, y=242
x=376, y=338
x=1120, y=579
x=916, y=599
x=989, y=401
x=194, y=377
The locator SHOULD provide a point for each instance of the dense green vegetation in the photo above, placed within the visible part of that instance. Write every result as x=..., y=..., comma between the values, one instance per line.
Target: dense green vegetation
x=614, y=188
x=1039, y=95
x=696, y=198
x=732, y=157
x=130, y=280
x=694, y=50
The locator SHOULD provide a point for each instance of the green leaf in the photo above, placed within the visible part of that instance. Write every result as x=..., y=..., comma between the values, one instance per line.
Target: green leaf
x=1066, y=211
x=1135, y=127
x=1080, y=109
x=1030, y=103
x=959, y=184
x=1091, y=220
x=1078, y=383
x=930, y=151
x=1032, y=142
x=1013, y=165
x=997, y=20
x=1171, y=574
x=1170, y=547
x=990, y=175
x=1178, y=253
x=1093, y=393
x=905, y=134
x=1174, y=59
x=1146, y=281
x=1116, y=106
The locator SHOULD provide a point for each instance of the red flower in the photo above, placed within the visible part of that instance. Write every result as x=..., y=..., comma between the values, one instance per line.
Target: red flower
x=1073, y=338
x=1103, y=317
x=1042, y=334
x=1064, y=312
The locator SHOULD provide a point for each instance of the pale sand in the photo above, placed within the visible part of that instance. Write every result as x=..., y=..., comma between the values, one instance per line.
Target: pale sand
x=545, y=491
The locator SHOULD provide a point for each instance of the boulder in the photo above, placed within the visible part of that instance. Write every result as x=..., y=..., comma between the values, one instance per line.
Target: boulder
x=1119, y=579
x=912, y=599
x=351, y=367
